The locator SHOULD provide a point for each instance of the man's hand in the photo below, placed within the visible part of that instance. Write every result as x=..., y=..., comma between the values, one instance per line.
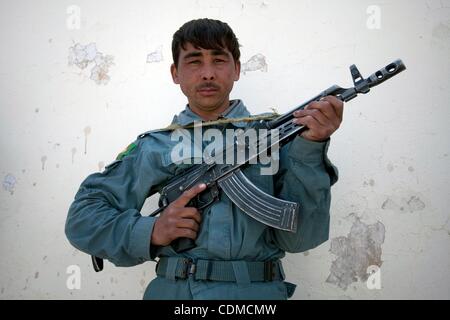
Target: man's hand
x=177, y=220
x=322, y=118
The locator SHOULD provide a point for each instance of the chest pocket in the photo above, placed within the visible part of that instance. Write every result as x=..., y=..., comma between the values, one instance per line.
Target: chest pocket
x=176, y=164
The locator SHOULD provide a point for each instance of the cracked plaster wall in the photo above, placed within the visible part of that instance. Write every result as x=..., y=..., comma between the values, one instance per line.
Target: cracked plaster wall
x=73, y=71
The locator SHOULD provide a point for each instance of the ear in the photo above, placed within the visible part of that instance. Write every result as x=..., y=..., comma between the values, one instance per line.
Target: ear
x=237, y=69
x=174, y=72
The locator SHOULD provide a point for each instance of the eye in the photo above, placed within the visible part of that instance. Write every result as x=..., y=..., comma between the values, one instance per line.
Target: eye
x=194, y=62
x=219, y=60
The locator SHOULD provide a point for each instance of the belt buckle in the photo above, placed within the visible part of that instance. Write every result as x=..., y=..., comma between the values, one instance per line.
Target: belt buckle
x=191, y=267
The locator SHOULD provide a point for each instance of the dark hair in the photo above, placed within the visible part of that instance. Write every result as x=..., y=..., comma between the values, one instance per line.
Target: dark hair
x=207, y=34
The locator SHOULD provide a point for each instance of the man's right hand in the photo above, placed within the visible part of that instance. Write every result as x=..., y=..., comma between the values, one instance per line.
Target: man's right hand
x=177, y=220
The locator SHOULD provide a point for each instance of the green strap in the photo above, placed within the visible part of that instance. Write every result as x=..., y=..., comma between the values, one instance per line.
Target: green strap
x=176, y=126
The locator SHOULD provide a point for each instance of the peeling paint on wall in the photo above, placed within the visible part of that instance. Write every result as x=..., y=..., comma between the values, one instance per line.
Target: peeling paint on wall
x=355, y=253
x=155, y=56
x=257, y=62
x=255, y=5
x=9, y=183
x=82, y=56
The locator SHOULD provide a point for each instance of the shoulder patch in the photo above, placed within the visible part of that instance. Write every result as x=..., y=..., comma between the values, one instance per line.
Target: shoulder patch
x=127, y=151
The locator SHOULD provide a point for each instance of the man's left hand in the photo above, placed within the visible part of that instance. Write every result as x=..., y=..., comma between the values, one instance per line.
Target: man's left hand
x=322, y=118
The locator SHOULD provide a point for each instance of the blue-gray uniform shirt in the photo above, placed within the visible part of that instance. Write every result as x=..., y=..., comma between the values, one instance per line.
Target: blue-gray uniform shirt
x=105, y=218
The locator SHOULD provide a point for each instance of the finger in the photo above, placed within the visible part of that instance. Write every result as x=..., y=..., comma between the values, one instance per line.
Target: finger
x=316, y=114
x=325, y=107
x=186, y=196
x=185, y=233
x=188, y=224
x=191, y=213
x=309, y=122
x=322, y=106
x=328, y=111
x=315, y=132
x=337, y=104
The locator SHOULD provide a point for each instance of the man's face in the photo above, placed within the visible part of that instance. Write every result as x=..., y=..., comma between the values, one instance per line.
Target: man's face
x=206, y=78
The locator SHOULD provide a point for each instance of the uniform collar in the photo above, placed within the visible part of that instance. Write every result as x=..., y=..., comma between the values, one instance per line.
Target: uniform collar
x=236, y=109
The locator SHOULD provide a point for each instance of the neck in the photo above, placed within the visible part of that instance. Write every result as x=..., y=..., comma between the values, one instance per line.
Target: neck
x=208, y=115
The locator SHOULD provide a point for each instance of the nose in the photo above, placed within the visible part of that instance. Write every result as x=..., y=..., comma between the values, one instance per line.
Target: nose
x=208, y=73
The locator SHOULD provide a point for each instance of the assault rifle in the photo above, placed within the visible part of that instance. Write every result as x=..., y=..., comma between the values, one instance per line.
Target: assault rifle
x=274, y=212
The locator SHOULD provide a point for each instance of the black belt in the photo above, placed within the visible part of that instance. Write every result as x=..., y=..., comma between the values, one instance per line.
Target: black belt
x=218, y=270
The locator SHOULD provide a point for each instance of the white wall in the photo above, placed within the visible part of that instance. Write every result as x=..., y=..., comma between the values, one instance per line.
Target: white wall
x=390, y=206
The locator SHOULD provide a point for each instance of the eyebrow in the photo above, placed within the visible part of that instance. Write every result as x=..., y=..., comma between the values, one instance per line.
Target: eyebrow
x=219, y=52
x=215, y=52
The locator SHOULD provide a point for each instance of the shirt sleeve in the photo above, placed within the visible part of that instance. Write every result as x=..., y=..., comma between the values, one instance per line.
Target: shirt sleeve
x=305, y=176
x=105, y=220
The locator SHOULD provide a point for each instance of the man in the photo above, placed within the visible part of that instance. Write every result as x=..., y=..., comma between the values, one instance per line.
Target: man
x=236, y=257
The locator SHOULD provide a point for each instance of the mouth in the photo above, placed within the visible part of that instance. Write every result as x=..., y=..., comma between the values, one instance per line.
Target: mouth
x=208, y=90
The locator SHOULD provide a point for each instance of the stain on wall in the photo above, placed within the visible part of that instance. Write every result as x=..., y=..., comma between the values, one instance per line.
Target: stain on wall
x=74, y=151
x=43, y=160
x=87, y=131
x=371, y=183
x=357, y=251
x=414, y=203
x=441, y=31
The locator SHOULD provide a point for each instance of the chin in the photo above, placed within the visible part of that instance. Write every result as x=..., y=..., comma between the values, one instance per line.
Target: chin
x=209, y=105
